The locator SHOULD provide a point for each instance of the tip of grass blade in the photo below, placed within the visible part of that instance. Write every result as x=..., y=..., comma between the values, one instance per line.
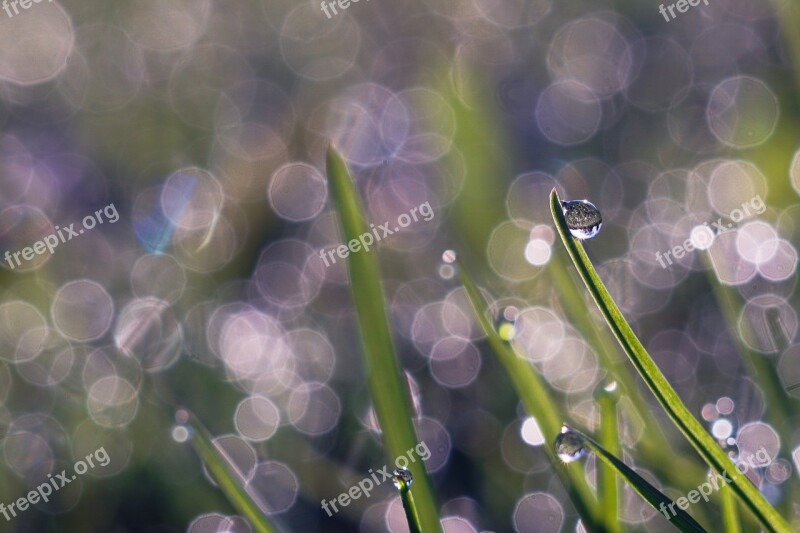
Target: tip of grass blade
x=229, y=480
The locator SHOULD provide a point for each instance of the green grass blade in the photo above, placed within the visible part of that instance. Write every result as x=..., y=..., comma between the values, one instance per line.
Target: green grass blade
x=409, y=505
x=229, y=480
x=658, y=384
x=531, y=389
x=658, y=500
x=730, y=518
x=386, y=381
x=607, y=489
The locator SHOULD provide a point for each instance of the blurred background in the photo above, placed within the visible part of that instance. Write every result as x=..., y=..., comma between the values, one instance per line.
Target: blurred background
x=206, y=124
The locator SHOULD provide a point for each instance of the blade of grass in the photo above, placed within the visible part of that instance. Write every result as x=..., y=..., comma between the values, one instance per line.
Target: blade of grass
x=531, y=389
x=658, y=384
x=607, y=490
x=386, y=381
x=730, y=518
x=409, y=506
x=658, y=500
x=229, y=480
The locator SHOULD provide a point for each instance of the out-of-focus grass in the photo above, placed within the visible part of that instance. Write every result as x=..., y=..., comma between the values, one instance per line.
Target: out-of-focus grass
x=229, y=481
x=387, y=383
x=531, y=388
x=658, y=384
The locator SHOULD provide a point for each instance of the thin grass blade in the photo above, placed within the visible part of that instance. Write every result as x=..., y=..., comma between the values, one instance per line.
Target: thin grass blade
x=658, y=384
x=386, y=381
x=229, y=480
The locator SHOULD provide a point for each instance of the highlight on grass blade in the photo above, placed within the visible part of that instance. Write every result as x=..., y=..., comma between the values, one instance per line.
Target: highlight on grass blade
x=571, y=443
x=694, y=432
x=385, y=378
x=230, y=481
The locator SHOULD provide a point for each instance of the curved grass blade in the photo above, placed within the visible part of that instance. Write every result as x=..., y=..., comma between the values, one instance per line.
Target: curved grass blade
x=229, y=480
x=386, y=381
x=657, y=499
x=531, y=389
x=658, y=384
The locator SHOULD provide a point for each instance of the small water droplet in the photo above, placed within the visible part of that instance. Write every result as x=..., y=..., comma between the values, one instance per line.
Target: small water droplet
x=608, y=388
x=583, y=218
x=181, y=433
x=402, y=478
x=449, y=256
x=505, y=323
x=569, y=445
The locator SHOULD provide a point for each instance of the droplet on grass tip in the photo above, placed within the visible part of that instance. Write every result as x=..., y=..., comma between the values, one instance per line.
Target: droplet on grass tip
x=569, y=446
x=402, y=478
x=449, y=256
x=505, y=323
x=608, y=388
x=583, y=218
x=181, y=433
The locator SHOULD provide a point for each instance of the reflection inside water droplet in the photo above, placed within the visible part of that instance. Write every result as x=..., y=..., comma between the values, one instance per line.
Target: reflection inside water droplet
x=583, y=218
x=402, y=478
x=569, y=445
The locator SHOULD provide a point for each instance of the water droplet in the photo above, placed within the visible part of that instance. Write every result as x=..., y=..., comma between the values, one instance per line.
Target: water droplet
x=402, y=478
x=181, y=433
x=505, y=324
x=449, y=256
x=608, y=388
x=569, y=445
x=583, y=218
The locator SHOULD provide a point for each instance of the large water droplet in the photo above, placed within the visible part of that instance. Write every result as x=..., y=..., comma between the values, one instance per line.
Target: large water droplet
x=583, y=218
x=569, y=445
x=402, y=478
